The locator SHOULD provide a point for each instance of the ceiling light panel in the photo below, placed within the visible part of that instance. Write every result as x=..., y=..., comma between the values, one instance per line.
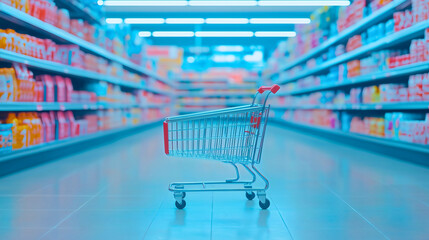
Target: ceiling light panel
x=224, y=34
x=222, y=3
x=114, y=20
x=145, y=34
x=184, y=20
x=144, y=3
x=173, y=34
x=144, y=20
x=275, y=34
x=227, y=21
x=303, y=3
x=280, y=20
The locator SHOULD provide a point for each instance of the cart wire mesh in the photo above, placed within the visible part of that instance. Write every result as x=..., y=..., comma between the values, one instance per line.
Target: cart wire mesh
x=234, y=135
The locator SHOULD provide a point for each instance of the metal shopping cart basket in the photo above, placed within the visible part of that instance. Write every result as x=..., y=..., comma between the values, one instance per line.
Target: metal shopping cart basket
x=231, y=135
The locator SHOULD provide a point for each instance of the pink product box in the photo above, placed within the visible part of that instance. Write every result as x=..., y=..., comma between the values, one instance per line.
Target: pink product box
x=83, y=126
x=425, y=87
x=415, y=88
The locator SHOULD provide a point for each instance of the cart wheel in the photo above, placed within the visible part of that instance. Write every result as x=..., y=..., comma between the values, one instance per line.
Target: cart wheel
x=181, y=206
x=264, y=205
x=250, y=195
x=183, y=194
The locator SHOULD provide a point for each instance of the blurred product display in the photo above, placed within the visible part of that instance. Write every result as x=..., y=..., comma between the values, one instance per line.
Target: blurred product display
x=77, y=76
x=358, y=69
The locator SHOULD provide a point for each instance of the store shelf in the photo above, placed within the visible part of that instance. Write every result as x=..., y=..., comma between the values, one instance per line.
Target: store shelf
x=207, y=86
x=25, y=20
x=154, y=90
x=202, y=109
x=368, y=107
x=203, y=104
x=44, y=106
x=69, y=71
x=377, y=16
x=77, y=10
x=391, y=73
x=399, y=149
x=215, y=94
x=223, y=80
x=390, y=40
x=38, y=149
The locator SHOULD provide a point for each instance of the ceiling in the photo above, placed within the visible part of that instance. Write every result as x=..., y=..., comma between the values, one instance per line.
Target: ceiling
x=269, y=43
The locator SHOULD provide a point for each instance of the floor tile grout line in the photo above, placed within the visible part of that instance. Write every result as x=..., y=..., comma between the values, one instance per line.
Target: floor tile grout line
x=364, y=218
x=71, y=214
x=281, y=216
x=211, y=219
x=153, y=219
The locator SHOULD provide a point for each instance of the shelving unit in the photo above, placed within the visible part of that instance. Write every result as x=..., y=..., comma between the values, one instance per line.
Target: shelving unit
x=368, y=113
x=378, y=16
x=223, y=94
x=367, y=107
x=15, y=16
x=78, y=10
x=25, y=23
x=390, y=40
x=370, y=78
x=398, y=149
x=59, y=68
x=27, y=157
x=208, y=87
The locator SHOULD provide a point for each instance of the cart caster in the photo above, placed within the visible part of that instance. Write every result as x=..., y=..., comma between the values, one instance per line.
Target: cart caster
x=181, y=206
x=183, y=194
x=250, y=196
x=264, y=205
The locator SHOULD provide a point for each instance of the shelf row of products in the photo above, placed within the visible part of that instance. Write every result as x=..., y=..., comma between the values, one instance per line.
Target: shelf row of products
x=331, y=25
x=380, y=61
x=19, y=84
x=64, y=76
x=69, y=55
x=400, y=126
x=381, y=33
x=416, y=90
x=370, y=78
x=105, y=36
x=26, y=129
x=214, y=89
x=108, y=44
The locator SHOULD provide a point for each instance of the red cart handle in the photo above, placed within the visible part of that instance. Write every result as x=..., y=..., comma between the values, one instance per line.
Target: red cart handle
x=273, y=89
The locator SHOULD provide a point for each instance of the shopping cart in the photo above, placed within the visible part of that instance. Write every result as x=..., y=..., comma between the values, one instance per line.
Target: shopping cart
x=231, y=135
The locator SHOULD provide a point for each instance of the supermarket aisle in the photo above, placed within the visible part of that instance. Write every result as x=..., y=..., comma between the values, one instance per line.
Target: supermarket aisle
x=320, y=190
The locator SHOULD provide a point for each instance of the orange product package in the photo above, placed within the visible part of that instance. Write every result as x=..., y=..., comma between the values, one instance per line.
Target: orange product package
x=19, y=132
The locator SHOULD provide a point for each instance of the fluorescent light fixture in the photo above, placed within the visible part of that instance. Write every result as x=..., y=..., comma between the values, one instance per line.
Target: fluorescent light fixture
x=275, y=34
x=319, y=3
x=280, y=20
x=222, y=3
x=119, y=3
x=145, y=34
x=224, y=34
x=190, y=59
x=227, y=20
x=230, y=48
x=224, y=58
x=113, y=20
x=184, y=20
x=172, y=34
x=144, y=20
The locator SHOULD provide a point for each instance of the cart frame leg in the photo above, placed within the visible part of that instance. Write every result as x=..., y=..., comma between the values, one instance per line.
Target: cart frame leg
x=237, y=174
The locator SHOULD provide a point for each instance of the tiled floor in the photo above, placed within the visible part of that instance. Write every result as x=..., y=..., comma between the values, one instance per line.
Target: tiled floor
x=319, y=190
